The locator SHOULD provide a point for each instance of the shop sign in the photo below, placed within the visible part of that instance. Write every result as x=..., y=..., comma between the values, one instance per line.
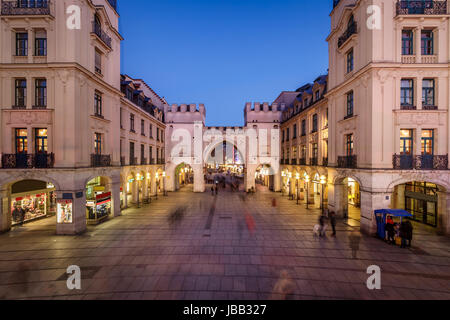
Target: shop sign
x=64, y=211
x=103, y=198
x=421, y=196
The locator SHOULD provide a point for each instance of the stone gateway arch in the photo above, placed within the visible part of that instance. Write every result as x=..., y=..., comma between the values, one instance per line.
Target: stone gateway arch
x=191, y=142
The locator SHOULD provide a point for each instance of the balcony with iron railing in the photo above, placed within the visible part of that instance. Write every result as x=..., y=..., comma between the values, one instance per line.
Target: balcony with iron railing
x=28, y=161
x=143, y=161
x=313, y=161
x=422, y=7
x=349, y=162
x=351, y=30
x=325, y=161
x=100, y=160
x=123, y=162
x=133, y=161
x=97, y=30
x=294, y=162
x=302, y=162
x=420, y=162
x=25, y=7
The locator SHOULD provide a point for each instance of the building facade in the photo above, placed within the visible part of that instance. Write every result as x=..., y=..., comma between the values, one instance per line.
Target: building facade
x=388, y=100
x=63, y=101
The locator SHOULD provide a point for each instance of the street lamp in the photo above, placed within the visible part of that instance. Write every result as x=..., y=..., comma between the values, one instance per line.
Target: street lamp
x=157, y=183
x=323, y=181
x=307, y=190
x=297, y=177
x=138, y=177
x=290, y=189
x=164, y=184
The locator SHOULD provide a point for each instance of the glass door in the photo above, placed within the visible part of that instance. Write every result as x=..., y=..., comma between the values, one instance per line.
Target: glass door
x=21, y=138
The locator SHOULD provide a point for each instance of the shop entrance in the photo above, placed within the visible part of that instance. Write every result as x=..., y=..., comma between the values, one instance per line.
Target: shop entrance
x=32, y=200
x=265, y=177
x=421, y=199
x=98, y=200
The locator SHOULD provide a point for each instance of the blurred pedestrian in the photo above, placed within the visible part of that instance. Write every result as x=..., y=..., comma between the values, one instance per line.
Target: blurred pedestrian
x=333, y=222
x=284, y=288
x=354, y=244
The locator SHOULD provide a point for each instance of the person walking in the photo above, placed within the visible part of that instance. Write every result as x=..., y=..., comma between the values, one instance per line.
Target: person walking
x=333, y=222
x=409, y=232
x=354, y=244
x=322, y=232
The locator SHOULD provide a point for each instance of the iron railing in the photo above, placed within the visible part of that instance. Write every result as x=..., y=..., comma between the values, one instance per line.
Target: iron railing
x=349, y=162
x=143, y=161
x=23, y=7
x=325, y=162
x=313, y=161
x=100, y=160
x=427, y=7
x=122, y=161
x=351, y=30
x=97, y=29
x=133, y=161
x=302, y=162
x=28, y=161
x=420, y=162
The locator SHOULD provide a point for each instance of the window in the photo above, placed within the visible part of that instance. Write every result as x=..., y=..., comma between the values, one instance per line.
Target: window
x=151, y=131
x=428, y=142
x=317, y=95
x=21, y=140
x=428, y=92
x=143, y=127
x=294, y=152
x=350, y=104
x=157, y=134
x=40, y=43
x=326, y=119
x=98, y=109
x=294, y=132
x=142, y=152
x=349, y=145
x=41, y=138
x=282, y=139
x=407, y=92
x=132, y=153
x=288, y=135
x=407, y=42
x=22, y=44
x=98, y=143
x=315, y=150
x=41, y=93
x=303, y=127
x=162, y=135
x=350, y=61
x=150, y=154
x=21, y=93
x=157, y=154
x=314, y=123
x=98, y=62
x=132, y=122
x=406, y=142
x=129, y=93
x=427, y=43
x=303, y=156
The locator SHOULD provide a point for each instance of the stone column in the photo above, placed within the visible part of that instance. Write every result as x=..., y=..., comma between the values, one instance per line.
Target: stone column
x=78, y=224
x=30, y=49
x=153, y=183
x=114, y=188
x=250, y=177
x=145, y=183
x=5, y=211
x=337, y=199
x=443, y=210
x=134, y=192
x=371, y=201
x=125, y=195
x=418, y=44
x=199, y=178
x=277, y=181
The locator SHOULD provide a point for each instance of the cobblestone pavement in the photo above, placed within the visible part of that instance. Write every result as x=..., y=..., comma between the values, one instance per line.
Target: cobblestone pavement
x=214, y=253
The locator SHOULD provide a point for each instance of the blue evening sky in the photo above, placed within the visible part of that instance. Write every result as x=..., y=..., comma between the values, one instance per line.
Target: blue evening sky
x=224, y=53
